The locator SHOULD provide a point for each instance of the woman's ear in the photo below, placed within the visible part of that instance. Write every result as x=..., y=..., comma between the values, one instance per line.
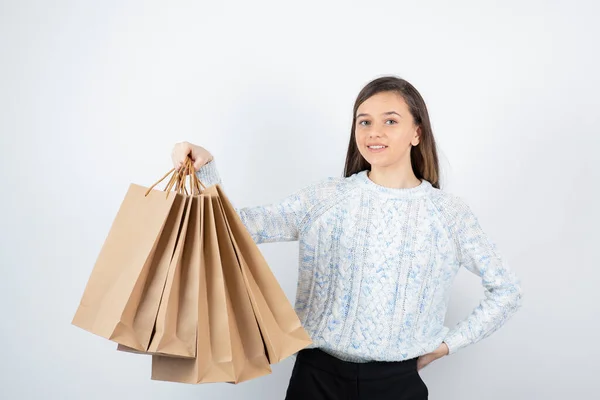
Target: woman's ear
x=417, y=138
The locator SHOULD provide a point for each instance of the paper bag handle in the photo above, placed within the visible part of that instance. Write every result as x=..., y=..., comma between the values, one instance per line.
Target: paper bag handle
x=178, y=179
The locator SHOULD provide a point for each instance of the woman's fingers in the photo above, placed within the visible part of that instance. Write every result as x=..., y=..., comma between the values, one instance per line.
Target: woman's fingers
x=179, y=154
x=181, y=151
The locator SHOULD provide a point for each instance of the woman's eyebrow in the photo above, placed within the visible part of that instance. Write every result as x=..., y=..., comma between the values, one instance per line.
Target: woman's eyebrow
x=385, y=113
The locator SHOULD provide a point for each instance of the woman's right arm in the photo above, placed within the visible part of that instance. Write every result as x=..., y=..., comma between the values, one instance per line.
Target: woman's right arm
x=277, y=222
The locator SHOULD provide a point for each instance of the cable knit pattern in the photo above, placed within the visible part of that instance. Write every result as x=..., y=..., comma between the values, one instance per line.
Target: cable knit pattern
x=376, y=265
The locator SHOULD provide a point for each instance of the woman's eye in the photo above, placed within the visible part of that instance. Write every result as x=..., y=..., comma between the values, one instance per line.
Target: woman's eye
x=392, y=122
x=363, y=123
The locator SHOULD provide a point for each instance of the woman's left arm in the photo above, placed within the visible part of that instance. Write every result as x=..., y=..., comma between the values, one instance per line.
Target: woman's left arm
x=503, y=293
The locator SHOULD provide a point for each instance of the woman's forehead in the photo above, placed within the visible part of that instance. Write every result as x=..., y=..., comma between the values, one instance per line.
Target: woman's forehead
x=383, y=102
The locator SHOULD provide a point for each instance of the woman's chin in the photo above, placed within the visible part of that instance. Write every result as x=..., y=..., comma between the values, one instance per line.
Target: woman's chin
x=377, y=161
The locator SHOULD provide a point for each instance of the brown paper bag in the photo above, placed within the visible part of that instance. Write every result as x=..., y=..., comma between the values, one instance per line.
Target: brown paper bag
x=177, y=319
x=279, y=324
x=122, y=295
x=252, y=361
x=175, y=324
x=216, y=325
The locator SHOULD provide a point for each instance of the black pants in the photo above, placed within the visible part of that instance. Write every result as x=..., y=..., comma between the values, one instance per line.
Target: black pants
x=320, y=376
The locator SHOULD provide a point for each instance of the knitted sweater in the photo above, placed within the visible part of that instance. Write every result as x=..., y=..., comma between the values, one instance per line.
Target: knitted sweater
x=376, y=265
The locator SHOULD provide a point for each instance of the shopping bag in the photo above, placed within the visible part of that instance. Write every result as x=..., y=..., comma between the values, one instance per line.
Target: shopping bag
x=176, y=322
x=281, y=329
x=216, y=341
x=252, y=361
x=177, y=319
x=121, y=298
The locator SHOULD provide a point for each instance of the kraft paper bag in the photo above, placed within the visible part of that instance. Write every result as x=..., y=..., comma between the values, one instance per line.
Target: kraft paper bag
x=121, y=298
x=281, y=329
x=175, y=324
x=216, y=338
x=251, y=362
x=177, y=319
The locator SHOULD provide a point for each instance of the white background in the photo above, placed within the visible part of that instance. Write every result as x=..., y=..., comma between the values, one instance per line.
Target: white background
x=93, y=95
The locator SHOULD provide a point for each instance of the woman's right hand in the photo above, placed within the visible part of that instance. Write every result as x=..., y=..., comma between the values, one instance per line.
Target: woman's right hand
x=199, y=155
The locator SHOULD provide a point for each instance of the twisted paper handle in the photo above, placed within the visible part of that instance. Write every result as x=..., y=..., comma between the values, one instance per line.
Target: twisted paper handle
x=178, y=180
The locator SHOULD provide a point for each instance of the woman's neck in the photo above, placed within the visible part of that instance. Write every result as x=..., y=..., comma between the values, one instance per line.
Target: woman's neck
x=396, y=179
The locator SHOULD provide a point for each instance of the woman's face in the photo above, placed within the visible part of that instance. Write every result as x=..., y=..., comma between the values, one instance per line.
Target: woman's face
x=385, y=130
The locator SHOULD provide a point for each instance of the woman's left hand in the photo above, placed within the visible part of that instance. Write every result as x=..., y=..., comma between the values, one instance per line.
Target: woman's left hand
x=425, y=359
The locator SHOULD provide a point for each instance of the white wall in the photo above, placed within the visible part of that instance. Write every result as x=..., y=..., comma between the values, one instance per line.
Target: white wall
x=94, y=94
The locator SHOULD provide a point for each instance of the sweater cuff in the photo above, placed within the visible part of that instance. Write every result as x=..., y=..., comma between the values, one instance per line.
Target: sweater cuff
x=455, y=341
x=208, y=174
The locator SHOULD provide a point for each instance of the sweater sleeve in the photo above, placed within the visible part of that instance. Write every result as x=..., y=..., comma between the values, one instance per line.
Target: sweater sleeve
x=280, y=221
x=502, y=287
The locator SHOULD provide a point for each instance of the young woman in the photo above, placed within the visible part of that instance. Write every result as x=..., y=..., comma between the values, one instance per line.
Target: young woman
x=379, y=249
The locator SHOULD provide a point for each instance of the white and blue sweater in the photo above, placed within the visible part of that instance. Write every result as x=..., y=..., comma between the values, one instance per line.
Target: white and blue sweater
x=376, y=266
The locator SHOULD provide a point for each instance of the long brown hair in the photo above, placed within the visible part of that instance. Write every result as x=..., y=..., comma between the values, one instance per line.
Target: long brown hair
x=423, y=157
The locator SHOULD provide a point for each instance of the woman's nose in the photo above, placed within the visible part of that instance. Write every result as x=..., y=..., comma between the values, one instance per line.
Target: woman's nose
x=373, y=133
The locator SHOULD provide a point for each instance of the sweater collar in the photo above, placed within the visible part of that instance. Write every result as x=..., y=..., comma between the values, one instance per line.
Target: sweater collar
x=402, y=193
